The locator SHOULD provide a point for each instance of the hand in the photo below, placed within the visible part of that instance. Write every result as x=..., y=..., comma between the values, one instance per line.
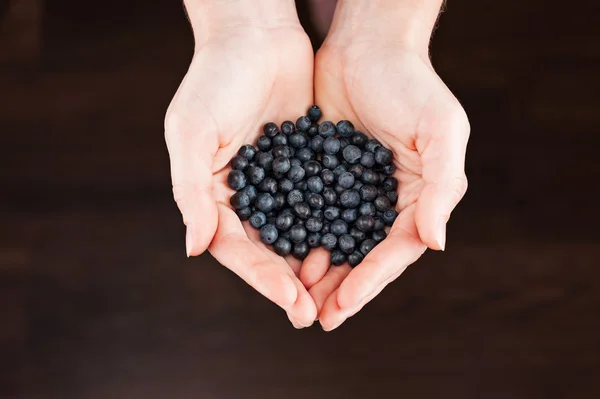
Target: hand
x=241, y=76
x=391, y=91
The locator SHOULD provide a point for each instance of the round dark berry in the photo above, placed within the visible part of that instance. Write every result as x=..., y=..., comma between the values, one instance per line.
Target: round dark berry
x=331, y=213
x=315, y=184
x=236, y=179
x=367, y=159
x=357, y=185
x=244, y=213
x=301, y=250
x=283, y=246
x=239, y=162
x=330, y=196
x=392, y=196
x=297, y=140
x=346, y=180
x=368, y=193
x=389, y=169
x=296, y=173
x=349, y=215
x=357, y=234
x=325, y=229
x=389, y=217
x=314, y=113
x=359, y=139
x=379, y=235
x=372, y=145
x=264, y=143
x=339, y=189
x=251, y=191
x=303, y=123
x=295, y=162
x=345, y=128
x=239, y=200
x=313, y=131
x=270, y=129
x=356, y=170
x=327, y=129
x=331, y=145
x=268, y=234
x=337, y=257
x=313, y=225
x=369, y=176
x=352, y=154
x=297, y=233
x=346, y=243
x=355, y=258
x=284, y=221
x=390, y=183
x=288, y=128
x=383, y=156
x=327, y=176
x=329, y=241
x=302, y=210
x=295, y=196
x=285, y=185
x=281, y=151
x=339, y=227
x=339, y=170
x=258, y=220
x=382, y=203
x=312, y=168
x=280, y=139
x=247, y=151
x=265, y=202
x=350, y=198
x=280, y=200
x=315, y=201
x=330, y=161
x=301, y=185
x=268, y=185
x=314, y=239
x=316, y=144
x=281, y=165
x=367, y=246
x=344, y=142
x=365, y=223
x=367, y=209
x=265, y=160
x=305, y=154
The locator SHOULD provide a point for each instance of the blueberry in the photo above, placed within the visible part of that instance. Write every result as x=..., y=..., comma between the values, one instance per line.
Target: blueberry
x=236, y=180
x=314, y=113
x=355, y=258
x=325, y=229
x=313, y=225
x=244, y=213
x=297, y=233
x=239, y=162
x=288, y=128
x=265, y=202
x=367, y=209
x=314, y=239
x=350, y=198
x=337, y=257
x=392, y=196
x=330, y=196
x=301, y=185
x=382, y=177
x=258, y=219
x=303, y=123
x=297, y=140
x=329, y=241
x=378, y=224
x=316, y=144
x=345, y=128
x=282, y=246
x=331, y=145
x=357, y=185
x=346, y=180
x=315, y=184
x=357, y=234
x=280, y=139
x=367, y=159
x=312, y=168
x=389, y=217
x=338, y=190
x=327, y=176
x=339, y=227
x=327, y=129
x=330, y=161
x=270, y=129
x=295, y=196
x=251, y=191
x=367, y=246
x=379, y=235
x=390, y=183
x=302, y=210
x=313, y=131
x=305, y=154
x=285, y=185
x=356, y=170
x=372, y=145
x=301, y=250
x=346, y=243
x=349, y=215
x=295, y=162
x=389, y=169
x=365, y=223
x=284, y=221
x=247, y=151
x=352, y=154
x=281, y=165
x=315, y=200
x=239, y=200
x=264, y=143
x=368, y=193
x=317, y=213
x=383, y=156
x=369, y=176
x=339, y=170
x=331, y=213
x=265, y=160
x=268, y=185
x=281, y=151
x=382, y=203
x=296, y=173
x=359, y=139
x=344, y=142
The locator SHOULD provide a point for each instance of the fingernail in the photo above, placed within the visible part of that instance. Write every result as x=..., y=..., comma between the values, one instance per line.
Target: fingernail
x=334, y=327
x=188, y=240
x=441, y=233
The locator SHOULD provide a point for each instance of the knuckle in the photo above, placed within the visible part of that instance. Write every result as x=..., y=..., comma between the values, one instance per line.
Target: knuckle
x=460, y=186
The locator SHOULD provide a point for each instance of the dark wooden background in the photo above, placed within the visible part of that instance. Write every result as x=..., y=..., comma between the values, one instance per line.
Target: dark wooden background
x=99, y=301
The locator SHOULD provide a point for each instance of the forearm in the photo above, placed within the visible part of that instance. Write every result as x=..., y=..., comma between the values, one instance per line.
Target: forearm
x=408, y=22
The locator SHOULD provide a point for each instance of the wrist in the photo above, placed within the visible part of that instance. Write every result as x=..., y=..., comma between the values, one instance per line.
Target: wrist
x=212, y=17
x=406, y=23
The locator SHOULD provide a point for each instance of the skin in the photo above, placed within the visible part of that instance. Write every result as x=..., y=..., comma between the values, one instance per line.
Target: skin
x=374, y=70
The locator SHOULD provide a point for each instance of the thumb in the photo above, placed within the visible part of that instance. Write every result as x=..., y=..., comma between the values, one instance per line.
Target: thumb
x=191, y=155
x=442, y=149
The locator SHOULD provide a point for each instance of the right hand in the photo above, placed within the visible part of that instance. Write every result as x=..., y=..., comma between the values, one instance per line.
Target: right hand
x=240, y=77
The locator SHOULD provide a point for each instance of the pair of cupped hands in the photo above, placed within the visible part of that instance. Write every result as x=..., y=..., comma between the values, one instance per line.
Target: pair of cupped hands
x=245, y=75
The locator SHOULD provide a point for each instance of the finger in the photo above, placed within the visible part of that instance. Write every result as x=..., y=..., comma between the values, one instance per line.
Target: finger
x=442, y=150
x=327, y=285
x=191, y=155
x=314, y=267
x=384, y=263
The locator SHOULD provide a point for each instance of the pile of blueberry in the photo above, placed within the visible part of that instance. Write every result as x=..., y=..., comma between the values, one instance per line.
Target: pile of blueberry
x=309, y=185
